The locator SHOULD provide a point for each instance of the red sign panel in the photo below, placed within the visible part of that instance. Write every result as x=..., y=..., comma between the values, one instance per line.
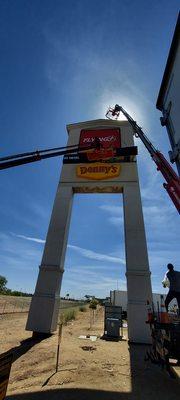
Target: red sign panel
x=101, y=154
x=109, y=138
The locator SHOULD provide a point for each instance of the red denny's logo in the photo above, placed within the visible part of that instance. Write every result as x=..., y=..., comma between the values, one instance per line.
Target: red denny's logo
x=98, y=171
x=109, y=140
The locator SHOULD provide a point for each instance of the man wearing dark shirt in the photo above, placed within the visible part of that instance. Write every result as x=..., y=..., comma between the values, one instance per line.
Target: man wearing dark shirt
x=172, y=280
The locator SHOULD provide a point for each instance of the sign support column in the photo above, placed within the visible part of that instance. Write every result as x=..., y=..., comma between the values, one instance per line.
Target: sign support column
x=44, y=309
x=137, y=265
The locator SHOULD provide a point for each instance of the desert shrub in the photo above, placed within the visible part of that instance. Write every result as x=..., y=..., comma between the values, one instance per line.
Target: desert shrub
x=82, y=308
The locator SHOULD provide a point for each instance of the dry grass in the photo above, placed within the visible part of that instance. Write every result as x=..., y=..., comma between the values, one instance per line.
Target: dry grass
x=68, y=315
x=12, y=304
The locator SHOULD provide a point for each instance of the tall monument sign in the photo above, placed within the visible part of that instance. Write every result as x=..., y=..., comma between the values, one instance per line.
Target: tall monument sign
x=109, y=168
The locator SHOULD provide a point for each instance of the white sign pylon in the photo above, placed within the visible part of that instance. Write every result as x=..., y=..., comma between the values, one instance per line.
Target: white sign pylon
x=103, y=170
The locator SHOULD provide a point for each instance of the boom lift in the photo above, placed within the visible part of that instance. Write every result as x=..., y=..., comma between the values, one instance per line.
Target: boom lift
x=172, y=184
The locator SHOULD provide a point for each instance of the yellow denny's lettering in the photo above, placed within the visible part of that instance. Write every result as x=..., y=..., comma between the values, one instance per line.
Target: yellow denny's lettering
x=98, y=171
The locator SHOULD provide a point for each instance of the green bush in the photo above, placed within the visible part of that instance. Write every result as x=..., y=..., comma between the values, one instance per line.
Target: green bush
x=82, y=308
x=68, y=315
x=16, y=293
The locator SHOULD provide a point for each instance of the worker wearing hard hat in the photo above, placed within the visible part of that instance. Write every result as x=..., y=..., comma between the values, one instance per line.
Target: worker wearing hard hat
x=172, y=280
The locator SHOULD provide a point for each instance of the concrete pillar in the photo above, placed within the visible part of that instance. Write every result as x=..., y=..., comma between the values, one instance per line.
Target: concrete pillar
x=137, y=265
x=44, y=309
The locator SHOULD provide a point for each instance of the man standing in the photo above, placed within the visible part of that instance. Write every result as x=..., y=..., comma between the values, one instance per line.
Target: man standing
x=172, y=280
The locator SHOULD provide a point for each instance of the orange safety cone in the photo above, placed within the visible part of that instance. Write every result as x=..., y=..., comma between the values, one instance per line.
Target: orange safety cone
x=150, y=313
x=164, y=318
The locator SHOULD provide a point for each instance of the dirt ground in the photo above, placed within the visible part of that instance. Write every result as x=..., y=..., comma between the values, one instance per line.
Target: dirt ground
x=107, y=371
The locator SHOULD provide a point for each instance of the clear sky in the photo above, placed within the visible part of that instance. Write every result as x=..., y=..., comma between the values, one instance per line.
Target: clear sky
x=65, y=62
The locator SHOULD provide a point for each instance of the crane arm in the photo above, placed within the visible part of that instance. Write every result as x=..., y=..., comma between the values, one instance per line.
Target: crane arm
x=172, y=184
x=74, y=150
x=30, y=157
x=138, y=131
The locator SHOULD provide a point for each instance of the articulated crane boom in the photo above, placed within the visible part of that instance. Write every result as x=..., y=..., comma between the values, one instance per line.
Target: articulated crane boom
x=25, y=158
x=172, y=184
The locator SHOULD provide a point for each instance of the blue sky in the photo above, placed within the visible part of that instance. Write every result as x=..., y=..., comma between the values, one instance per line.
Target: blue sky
x=65, y=62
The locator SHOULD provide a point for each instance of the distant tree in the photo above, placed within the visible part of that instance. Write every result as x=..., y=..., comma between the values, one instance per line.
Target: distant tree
x=93, y=303
x=88, y=297
x=67, y=296
x=7, y=292
x=16, y=293
x=3, y=282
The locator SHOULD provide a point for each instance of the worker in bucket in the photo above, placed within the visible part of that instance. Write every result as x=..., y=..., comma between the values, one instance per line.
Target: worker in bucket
x=172, y=280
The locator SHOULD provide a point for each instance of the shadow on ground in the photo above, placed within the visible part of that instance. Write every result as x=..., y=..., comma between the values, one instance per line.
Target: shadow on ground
x=71, y=394
x=148, y=382
x=90, y=394
x=25, y=346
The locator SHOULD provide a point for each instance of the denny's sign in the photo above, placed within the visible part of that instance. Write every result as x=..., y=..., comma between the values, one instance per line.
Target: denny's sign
x=98, y=171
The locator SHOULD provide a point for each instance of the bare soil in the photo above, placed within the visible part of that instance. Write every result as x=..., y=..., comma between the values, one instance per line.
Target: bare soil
x=99, y=370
